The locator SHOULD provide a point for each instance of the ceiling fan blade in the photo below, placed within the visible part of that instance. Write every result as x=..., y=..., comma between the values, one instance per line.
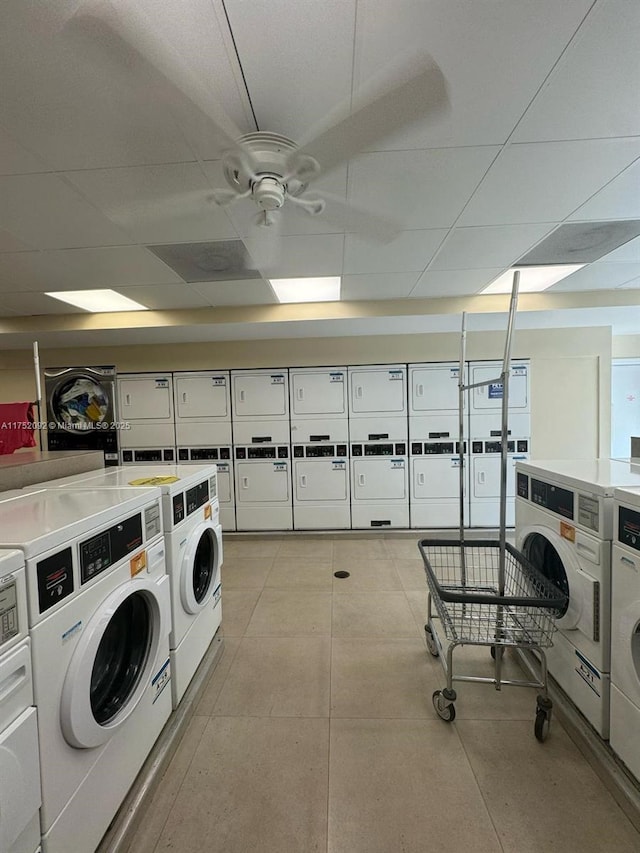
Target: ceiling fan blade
x=130, y=36
x=347, y=217
x=415, y=92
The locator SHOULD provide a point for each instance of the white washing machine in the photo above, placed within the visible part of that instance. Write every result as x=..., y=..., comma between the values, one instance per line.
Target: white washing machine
x=379, y=484
x=193, y=537
x=485, y=468
x=485, y=404
x=319, y=410
x=435, y=484
x=263, y=487
x=625, y=629
x=145, y=402
x=222, y=458
x=99, y=615
x=260, y=406
x=564, y=523
x=321, y=486
x=19, y=759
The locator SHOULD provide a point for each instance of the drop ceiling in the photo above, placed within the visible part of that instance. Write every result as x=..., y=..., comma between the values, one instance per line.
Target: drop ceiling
x=97, y=164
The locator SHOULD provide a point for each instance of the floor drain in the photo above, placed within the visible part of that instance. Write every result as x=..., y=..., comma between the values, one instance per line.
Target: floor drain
x=341, y=574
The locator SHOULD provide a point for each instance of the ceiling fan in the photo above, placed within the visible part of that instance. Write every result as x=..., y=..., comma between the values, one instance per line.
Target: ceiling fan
x=269, y=169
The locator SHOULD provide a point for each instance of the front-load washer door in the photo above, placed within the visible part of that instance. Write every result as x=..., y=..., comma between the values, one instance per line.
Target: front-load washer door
x=114, y=661
x=200, y=569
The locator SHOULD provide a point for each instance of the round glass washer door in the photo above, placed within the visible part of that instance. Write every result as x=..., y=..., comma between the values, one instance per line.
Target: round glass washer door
x=545, y=558
x=200, y=570
x=79, y=402
x=112, y=664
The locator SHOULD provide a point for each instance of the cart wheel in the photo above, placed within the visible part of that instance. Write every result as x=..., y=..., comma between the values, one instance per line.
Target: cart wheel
x=444, y=709
x=541, y=728
x=431, y=641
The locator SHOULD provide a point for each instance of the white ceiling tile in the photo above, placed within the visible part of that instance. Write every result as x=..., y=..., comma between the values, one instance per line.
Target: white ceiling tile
x=493, y=246
x=42, y=211
x=156, y=204
x=304, y=256
x=112, y=267
x=634, y=284
x=296, y=59
x=33, y=271
x=377, y=285
x=593, y=91
x=418, y=189
x=15, y=159
x=619, y=199
x=453, y=282
x=161, y=297
x=474, y=44
x=545, y=182
x=410, y=251
x=8, y=243
x=249, y=292
x=600, y=276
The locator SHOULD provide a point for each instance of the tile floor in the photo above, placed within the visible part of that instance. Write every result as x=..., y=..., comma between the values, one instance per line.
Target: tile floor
x=316, y=730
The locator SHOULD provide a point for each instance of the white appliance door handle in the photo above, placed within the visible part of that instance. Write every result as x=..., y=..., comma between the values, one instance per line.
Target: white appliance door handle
x=359, y=392
x=421, y=479
x=481, y=478
x=127, y=399
x=245, y=482
x=420, y=390
x=303, y=481
x=184, y=396
x=361, y=479
x=300, y=393
x=12, y=683
x=628, y=561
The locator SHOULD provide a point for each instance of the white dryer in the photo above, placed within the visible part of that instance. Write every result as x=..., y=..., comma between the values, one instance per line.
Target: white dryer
x=379, y=484
x=202, y=403
x=319, y=411
x=145, y=402
x=100, y=615
x=625, y=629
x=321, y=486
x=263, y=487
x=434, y=402
x=193, y=537
x=260, y=406
x=222, y=458
x=435, y=485
x=19, y=759
x=378, y=402
x=485, y=404
x=564, y=522
x=485, y=471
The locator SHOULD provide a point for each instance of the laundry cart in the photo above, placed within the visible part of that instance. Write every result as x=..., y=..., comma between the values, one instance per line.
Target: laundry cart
x=485, y=592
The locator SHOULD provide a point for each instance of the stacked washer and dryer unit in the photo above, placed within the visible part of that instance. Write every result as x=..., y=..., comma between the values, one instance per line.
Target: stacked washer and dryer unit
x=378, y=433
x=99, y=616
x=202, y=403
x=320, y=442
x=262, y=449
x=145, y=403
x=20, y=796
x=194, y=552
x=625, y=629
x=565, y=527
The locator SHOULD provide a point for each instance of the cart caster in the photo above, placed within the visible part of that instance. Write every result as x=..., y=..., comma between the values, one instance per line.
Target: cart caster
x=543, y=718
x=431, y=641
x=494, y=651
x=444, y=706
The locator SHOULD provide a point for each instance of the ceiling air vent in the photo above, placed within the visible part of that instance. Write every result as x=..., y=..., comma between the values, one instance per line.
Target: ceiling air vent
x=580, y=243
x=223, y=260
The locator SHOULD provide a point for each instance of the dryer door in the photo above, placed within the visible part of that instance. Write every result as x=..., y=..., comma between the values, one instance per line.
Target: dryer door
x=200, y=569
x=558, y=561
x=114, y=661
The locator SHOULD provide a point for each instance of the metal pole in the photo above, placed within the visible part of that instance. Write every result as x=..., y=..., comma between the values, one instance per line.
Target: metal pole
x=36, y=367
x=461, y=393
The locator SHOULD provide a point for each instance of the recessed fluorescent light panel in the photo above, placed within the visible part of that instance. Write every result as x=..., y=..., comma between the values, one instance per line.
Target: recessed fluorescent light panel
x=307, y=289
x=532, y=279
x=98, y=301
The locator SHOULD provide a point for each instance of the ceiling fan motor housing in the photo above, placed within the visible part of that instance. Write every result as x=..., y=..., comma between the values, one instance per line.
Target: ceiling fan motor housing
x=268, y=193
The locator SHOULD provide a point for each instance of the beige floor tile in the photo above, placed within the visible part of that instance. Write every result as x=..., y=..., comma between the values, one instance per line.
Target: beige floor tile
x=251, y=549
x=371, y=614
x=237, y=607
x=213, y=687
x=405, y=548
x=291, y=613
x=366, y=575
x=382, y=678
x=403, y=786
x=301, y=573
x=359, y=549
x=244, y=573
x=278, y=677
x=418, y=604
x=155, y=815
x=320, y=548
x=411, y=574
x=543, y=797
x=255, y=784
